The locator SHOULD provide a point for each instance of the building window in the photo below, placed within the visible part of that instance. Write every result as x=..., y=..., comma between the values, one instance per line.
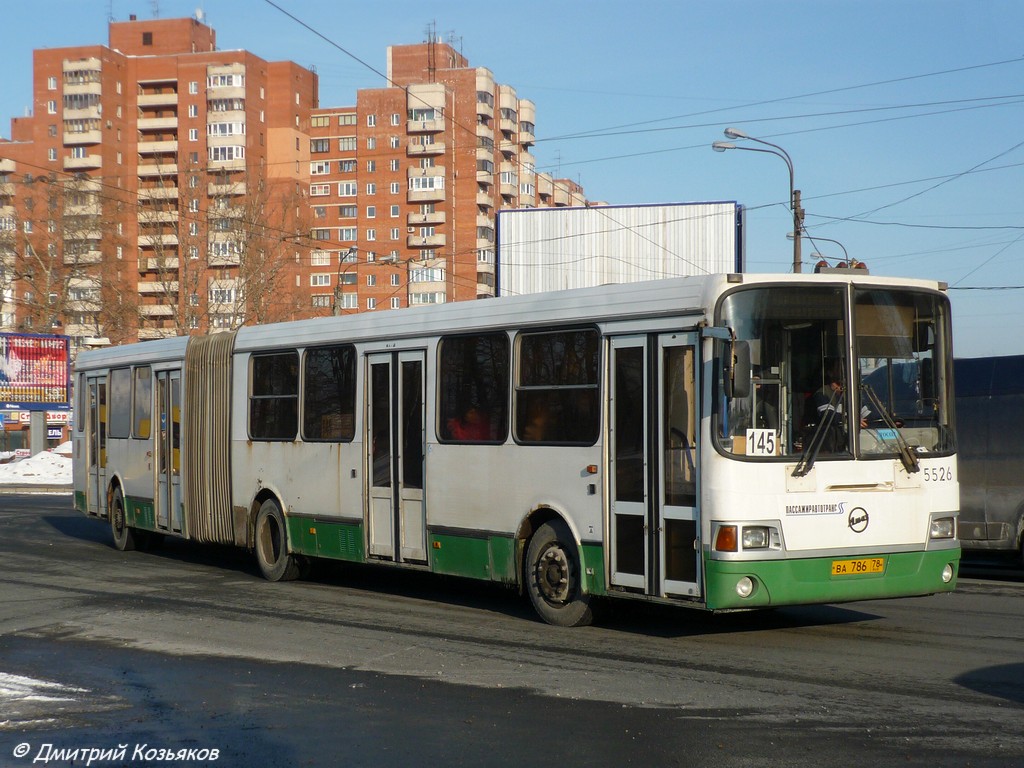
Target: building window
x=396, y=187
x=347, y=211
x=371, y=166
x=394, y=165
x=371, y=234
x=320, y=145
x=51, y=153
x=371, y=211
x=371, y=143
x=147, y=38
x=371, y=303
x=347, y=119
x=371, y=121
x=347, y=166
x=319, y=121
x=193, y=110
x=347, y=144
x=395, y=211
x=51, y=107
x=193, y=87
x=395, y=142
x=51, y=83
x=319, y=190
x=347, y=189
x=193, y=134
x=320, y=280
x=371, y=280
x=395, y=234
x=371, y=189
x=320, y=168
x=396, y=119
x=396, y=303
x=347, y=234
x=322, y=300
x=395, y=280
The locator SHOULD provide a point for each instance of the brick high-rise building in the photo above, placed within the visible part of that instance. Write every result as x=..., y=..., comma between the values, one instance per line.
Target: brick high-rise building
x=162, y=186
x=404, y=185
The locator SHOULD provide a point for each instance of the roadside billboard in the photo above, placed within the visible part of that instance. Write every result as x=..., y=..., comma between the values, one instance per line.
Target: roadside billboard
x=34, y=371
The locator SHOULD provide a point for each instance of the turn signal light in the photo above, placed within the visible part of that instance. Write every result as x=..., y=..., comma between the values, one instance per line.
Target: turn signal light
x=725, y=539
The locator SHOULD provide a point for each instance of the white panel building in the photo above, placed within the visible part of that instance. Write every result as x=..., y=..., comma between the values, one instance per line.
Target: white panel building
x=549, y=249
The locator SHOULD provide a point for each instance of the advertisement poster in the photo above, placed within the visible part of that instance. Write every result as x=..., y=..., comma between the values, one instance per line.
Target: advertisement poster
x=34, y=370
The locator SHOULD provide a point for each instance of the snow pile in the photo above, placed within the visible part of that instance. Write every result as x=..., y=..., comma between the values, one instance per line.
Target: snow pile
x=46, y=468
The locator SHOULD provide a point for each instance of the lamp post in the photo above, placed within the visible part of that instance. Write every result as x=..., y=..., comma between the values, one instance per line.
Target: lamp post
x=794, y=194
x=814, y=240
x=350, y=256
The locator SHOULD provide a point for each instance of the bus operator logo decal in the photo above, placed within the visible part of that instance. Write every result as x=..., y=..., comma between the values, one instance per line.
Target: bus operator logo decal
x=858, y=520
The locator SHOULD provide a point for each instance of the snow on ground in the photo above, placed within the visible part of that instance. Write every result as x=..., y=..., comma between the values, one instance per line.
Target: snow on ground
x=46, y=468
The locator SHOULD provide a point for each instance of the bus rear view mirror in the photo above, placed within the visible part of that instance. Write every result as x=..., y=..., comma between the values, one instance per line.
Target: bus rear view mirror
x=737, y=370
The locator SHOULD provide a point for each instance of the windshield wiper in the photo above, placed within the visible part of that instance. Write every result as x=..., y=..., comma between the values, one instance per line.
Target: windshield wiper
x=907, y=454
x=810, y=454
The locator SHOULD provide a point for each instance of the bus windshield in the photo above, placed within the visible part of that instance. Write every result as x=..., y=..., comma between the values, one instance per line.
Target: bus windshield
x=814, y=393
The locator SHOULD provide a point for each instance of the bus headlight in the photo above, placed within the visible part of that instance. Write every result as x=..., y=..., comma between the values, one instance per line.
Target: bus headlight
x=947, y=573
x=943, y=528
x=756, y=537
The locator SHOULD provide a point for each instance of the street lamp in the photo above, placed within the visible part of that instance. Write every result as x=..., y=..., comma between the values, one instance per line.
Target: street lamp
x=814, y=241
x=794, y=194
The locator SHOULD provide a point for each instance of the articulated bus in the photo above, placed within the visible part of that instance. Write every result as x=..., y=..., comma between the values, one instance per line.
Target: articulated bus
x=683, y=441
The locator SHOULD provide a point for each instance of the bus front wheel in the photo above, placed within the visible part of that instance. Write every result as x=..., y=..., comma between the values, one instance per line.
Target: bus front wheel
x=276, y=564
x=553, y=577
x=124, y=536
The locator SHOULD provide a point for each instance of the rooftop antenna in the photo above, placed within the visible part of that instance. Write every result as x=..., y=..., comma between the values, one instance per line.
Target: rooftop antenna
x=156, y=8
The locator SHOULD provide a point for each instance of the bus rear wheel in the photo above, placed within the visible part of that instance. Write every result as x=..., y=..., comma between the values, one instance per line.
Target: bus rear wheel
x=124, y=536
x=553, y=577
x=276, y=563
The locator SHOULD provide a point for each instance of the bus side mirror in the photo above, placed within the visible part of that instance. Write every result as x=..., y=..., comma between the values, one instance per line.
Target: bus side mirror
x=737, y=370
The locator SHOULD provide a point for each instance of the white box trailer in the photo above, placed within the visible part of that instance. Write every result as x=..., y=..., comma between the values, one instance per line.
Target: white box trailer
x=551, y=249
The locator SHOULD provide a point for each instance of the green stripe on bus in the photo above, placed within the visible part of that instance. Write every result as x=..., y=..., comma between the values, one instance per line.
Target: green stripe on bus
x=492, y=558
x=593, y=569
x=318, y=538
x=796, y=582
x=80, y=502
x=139, y=513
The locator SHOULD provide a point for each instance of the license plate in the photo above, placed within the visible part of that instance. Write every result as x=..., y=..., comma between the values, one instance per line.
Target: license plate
x=860, y=565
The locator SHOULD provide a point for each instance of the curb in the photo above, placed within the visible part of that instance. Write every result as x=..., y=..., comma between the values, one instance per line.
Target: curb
x=23, y=489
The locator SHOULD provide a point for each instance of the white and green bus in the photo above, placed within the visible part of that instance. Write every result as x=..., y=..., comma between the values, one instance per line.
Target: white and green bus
x=683, y=441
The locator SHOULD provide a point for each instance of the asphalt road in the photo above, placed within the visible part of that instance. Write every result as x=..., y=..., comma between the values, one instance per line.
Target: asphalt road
x=186, y=648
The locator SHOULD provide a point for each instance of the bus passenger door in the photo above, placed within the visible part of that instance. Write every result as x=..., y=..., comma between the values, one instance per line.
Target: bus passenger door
x=654, y=460
x=96, y=445
x=168, y=451
x=396, y=441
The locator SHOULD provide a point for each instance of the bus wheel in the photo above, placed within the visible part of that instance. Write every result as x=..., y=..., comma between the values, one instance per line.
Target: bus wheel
x=276, y=564
x=124, y=537
x=553, y=577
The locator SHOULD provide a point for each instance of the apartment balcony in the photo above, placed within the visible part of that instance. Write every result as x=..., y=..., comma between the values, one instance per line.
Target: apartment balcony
x=156, y=239
x=157, y=217
x=158, y=310
x=508, y=149
x=485, y=130
x=526, y=138
x=430, y=241
x=508, y=190
x=157, y=123
x=158, y=264
x=158, y=147
x=6, y=189
x=88, y=64
x=221, y=190
x=92, y=256
x=157, y=99
x=484, y=243
x=165, y=170
x=484, y=198
x=421, y=219
x=84, y=137
x=484, y=221
x=158, y=193
x=561, y=195
x=163, y=287
x=483, y=108
x=88, y=162
x=86, y=113
x=151, y=334
x=93, y=88
x=425, y=150
x=92, y=209
x=231, y=259
x=6, y=165
x=484, y=291
x=225, y=92
x=425, y=196
x=425, y=126
x=237, y=164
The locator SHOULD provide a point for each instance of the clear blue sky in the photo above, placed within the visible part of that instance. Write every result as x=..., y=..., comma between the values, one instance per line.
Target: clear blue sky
x=904, y=118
